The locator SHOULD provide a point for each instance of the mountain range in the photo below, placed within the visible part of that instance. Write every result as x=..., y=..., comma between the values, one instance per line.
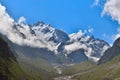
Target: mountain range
x=51, y=44
x=107, y=68
x=39, y=49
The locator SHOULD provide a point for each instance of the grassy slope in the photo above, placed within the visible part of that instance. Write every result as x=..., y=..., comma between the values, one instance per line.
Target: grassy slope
x=107, y=71
x=82, y=67
x=10, y=69
x=38, y=68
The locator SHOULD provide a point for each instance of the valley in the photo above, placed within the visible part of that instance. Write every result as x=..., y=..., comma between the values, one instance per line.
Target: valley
x=41, y=52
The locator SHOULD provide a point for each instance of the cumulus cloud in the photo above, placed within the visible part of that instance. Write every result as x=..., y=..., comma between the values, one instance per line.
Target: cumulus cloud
x=96, y=2
x=90, y=30
x=22, y=20
x=80, y=33
x=104, y=35
x=112, y=8
x=75, y=46
x=6, y=22
x=20, y=33
x=77, y=35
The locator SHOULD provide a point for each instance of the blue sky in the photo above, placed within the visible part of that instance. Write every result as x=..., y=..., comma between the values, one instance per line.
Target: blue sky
x=68, y=15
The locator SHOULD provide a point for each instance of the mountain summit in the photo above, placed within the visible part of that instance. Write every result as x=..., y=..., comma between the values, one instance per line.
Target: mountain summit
x=47, y=42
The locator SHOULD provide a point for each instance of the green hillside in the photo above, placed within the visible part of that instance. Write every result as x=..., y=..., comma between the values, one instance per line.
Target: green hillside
x=107, y=71
x=11, y=69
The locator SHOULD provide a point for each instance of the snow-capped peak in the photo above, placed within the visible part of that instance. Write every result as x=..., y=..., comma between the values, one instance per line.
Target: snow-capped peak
x=41, y=35
x=93, y=48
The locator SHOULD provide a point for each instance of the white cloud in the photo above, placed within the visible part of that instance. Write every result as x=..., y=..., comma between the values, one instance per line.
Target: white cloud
x=112, y=8
x=96, y=2
x=75, y=46
x=22, y=20
x=90, y=30
x=80, y=33
x=77, y=35
x=6, y=22
x=21, y=34
x=104, y=35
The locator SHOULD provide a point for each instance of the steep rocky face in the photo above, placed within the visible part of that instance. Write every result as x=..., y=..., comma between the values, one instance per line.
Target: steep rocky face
x=5, y=59
x=49, y=33
x=111, y=52
x=78, y=56
x=117, y=43
x=9, y=67
x=5, y=51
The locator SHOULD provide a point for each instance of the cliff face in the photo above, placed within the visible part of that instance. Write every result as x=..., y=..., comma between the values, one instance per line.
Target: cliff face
x=9, y=67
x=111, y=52
x=6, y=58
